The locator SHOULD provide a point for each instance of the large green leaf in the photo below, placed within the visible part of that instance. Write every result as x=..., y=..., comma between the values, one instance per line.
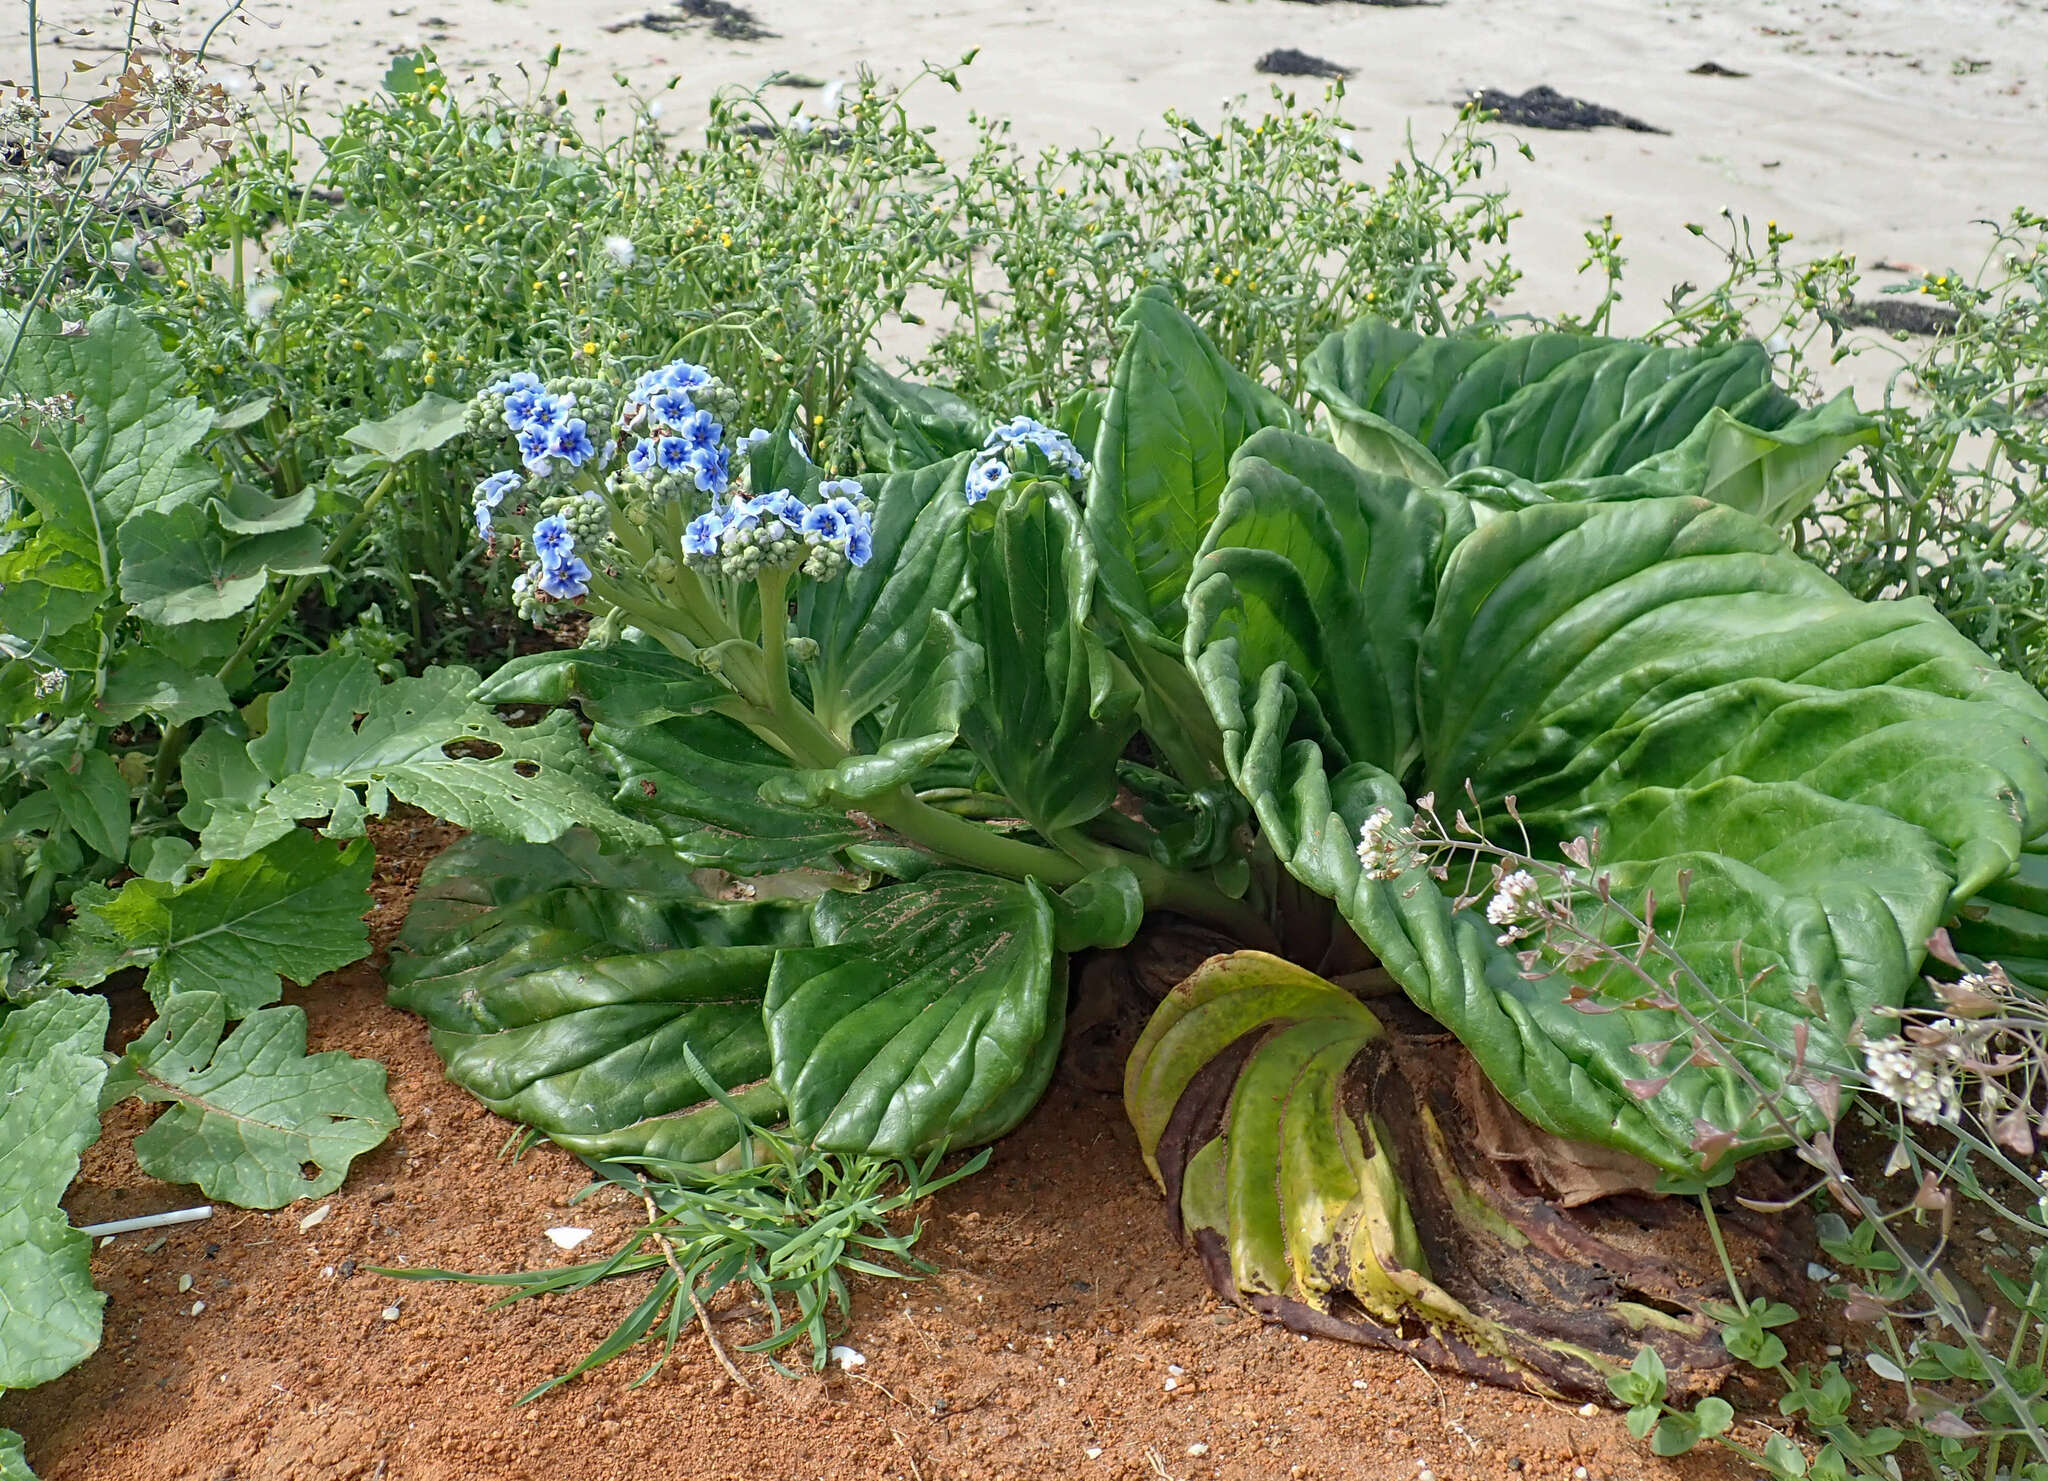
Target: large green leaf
x=698, y=779
x=341, y=744
x=1570, y=412
x=872, y=624
x=179, y=565
x=569, y=1007
x=1177, y=412
x=929, y=1012
x=627, y=683
x=134, y=438
x=922, y=725
x=905, y=426
x=418, y=428
x=254, y=1119
x=1333, y=571
x=294, y=909
x=1057, y=707
x=50, y=1073
x=1833, y=777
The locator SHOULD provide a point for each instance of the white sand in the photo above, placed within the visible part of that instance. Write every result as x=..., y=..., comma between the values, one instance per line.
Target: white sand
x=1880, y=127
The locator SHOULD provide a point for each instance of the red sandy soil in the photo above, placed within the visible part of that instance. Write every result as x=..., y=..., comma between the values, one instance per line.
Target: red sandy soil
x=1043, y=1348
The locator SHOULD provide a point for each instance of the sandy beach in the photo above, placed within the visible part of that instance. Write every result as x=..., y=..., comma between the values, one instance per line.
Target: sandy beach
x=1884, y=128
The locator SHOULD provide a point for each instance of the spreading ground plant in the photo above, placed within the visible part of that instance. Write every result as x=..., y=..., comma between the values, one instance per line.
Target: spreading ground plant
x=1599, y=751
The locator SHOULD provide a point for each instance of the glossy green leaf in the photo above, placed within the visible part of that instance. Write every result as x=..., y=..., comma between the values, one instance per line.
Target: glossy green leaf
x=923, y=724
x=134, y=438
x=294, y=909
x=1834, y=777
x=567, y=1007
x=1570, y=412
x=1177, y=412
x=254, y=1119
x=626, y=683
x=1057, y=706
x=59, y=575
x=13, y=1459
x=179, y=566
x=1332, y=571
x=50, y=1074
x=420, y=427
x=871, y=626
x=698, y=780
x=341, y=743
x=905, y=426
x=929, y=1012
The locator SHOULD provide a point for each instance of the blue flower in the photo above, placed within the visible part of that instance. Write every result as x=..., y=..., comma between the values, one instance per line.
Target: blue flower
x=713, y=469
x=826, y=521
x=519, y=404
x=483, y=520
x=549, y=412
x=834, y=488
x=1017, y=429
x=860, y=538
x=986, y=477
x=700, y=430
x=642, y=459
x=782, y=505
x=673, y=454
x=492, y=490
x=754, y=439
x=670, y=407
x=534, y=444
x=568, y=580
x=552, y=541
x=741, y=517
x=571, y=442
x=677, y=375
x=700, y=536
x=518, y=380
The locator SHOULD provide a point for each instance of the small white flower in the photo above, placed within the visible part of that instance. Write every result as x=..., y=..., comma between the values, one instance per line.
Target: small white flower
x=832, y=98
x=1906, y=1074
x=1517, y=902
x=261, y=299
x=1384, y=850
x=620, y=250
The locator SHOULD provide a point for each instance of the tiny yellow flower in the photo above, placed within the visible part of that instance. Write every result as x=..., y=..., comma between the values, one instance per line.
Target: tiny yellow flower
x=590, y=347
x=429, y=356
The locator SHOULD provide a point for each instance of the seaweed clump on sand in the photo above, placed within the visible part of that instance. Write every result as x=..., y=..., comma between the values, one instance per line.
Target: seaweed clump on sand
x=1544, y=107
x=1286, y=61
x=728, y=22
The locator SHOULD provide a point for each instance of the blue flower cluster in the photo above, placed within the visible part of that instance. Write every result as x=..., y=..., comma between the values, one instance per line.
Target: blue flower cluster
x=678, y=435
x=779, y=529
x=559, y=573
x=1022, y=444
x=545, y=423
x=489, y=495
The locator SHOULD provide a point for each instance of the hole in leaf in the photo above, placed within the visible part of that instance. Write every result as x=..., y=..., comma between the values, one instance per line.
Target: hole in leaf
x=526, y=768
x=309, y=1170
x=471, y=749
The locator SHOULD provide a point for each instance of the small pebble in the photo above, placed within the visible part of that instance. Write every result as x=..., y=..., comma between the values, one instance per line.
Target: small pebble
x=1833, y=1349
x=567, y=1236
x=1094, y=1452
x=1578, y=1473
x=1515, y=1463
x=1171, y=1384
x=1198, y=1450
x=391, y=1313
x=197, y=1307
x=318, y=1216
x=1988, y=1234
x=184, y=1284
x=848, y=1358
x=1175, y=1369
x=1358, y=1383
x=1587, y=1411
x=1818, y=1272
